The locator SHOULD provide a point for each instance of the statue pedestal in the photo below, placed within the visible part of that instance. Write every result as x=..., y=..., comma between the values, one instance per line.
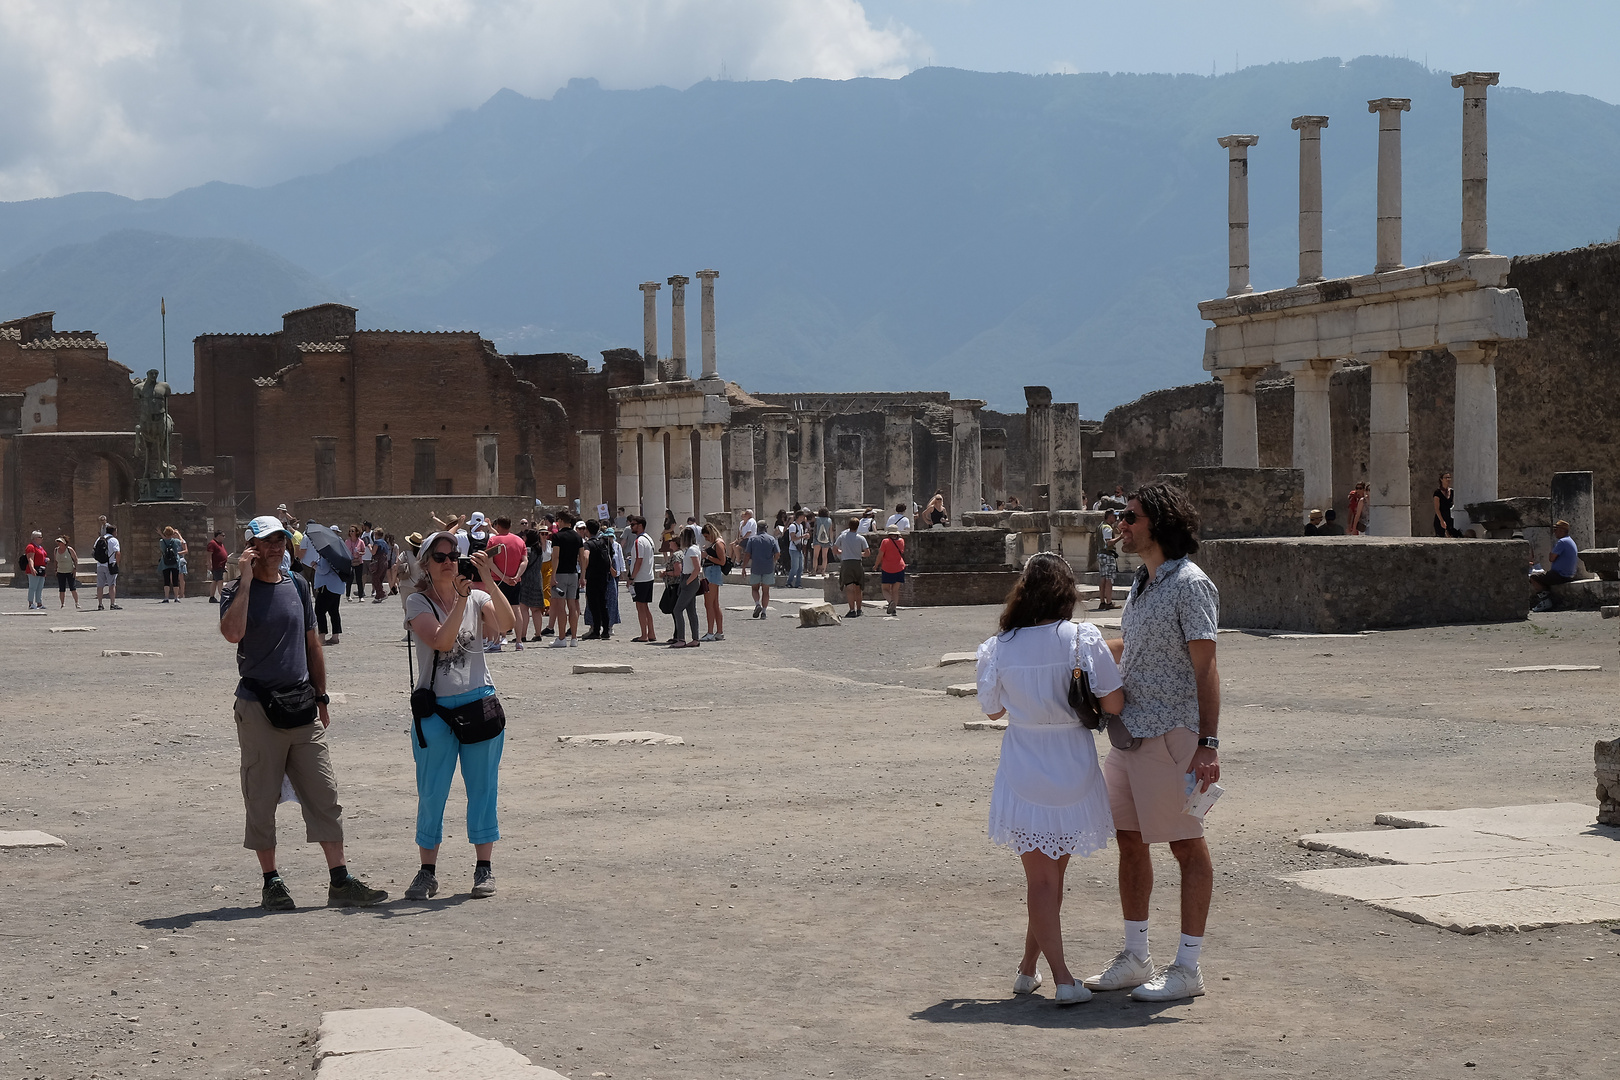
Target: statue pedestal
x=140, y=527
x=157, y=489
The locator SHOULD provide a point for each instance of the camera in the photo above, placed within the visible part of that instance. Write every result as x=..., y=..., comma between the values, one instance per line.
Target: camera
x=466, y=569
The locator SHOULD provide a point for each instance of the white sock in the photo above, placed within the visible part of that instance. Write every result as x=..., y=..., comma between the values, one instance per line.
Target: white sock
x=1191, y=949
x=1136, y=938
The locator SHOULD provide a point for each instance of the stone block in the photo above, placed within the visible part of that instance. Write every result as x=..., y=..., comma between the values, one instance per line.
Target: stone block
x=1423, y=845
x=985, y=519
x=29, y=838
x=963, y=690
x=1604, y=562
x=1534, y=668
x=1340, y=584
x=404, y=1044
x=603, y=669
x=950, y=659
x=1234, y=503
x=1502, y=909
x=1606, y=755
x=1501, y=518
x=935, y=589
x=1611, y=611
x=984, y=724
x=1591, y=594
x=955, y=550
x=623, y=738
x=1036, y=521
x=74, y=629
x=1392, y=881
x=1519, y=822
x=818, y=615
x=127, y=652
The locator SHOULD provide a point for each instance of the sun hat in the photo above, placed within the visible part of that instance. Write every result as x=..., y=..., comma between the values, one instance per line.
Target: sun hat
x=1316, y=513
x=414, y=539
x=264, y=526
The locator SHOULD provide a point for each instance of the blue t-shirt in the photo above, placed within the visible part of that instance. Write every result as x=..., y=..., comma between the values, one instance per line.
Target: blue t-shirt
x=1564, y=556
x=272, y=650
x=762, y=550
x=171, y=553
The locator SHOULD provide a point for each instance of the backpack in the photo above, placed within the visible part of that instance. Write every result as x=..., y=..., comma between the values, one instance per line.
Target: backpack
x=100, y=551
x=823, y=532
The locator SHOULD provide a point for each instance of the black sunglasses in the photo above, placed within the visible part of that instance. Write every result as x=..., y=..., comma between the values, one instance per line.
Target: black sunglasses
x=443, y=556
x=1129, y=517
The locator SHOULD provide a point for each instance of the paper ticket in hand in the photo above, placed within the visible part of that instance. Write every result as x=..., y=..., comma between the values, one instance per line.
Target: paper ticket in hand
x=1199, y=802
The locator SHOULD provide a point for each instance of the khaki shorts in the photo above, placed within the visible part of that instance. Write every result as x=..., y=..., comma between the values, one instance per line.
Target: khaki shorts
x=1147, y=787
x=300, y=754
x=851, y=572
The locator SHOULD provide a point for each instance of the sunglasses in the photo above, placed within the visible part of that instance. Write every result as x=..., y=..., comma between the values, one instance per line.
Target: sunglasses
x=1129, y=517
x=443, y=556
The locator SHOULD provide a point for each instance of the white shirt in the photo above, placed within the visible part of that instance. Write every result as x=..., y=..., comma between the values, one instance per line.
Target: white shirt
x=865, y=526
x=644, y=552
x=1027, y=672
x=113, y=549
x=748, y=528
x=900, y=521
x=691, y=560
x=461, y=543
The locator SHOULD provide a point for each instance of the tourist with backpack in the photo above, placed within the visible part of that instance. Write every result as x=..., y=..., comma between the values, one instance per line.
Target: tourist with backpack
x=32, y=563
x=106, y=554
x=169, y=562
x=823, y=540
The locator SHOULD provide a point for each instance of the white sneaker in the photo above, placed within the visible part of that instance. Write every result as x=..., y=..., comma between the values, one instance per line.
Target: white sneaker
x=573, y=642
x=706, y=637
x=1071, y=994
x=1026, y=984
x=558, y=643
x=1126, y=971
x=1172, y=983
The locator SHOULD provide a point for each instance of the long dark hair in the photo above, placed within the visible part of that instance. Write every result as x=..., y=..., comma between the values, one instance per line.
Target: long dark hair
x=1044, y=591
x=1172, y=521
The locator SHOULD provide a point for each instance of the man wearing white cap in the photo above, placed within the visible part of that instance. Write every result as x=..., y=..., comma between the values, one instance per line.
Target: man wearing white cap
x=269, y=616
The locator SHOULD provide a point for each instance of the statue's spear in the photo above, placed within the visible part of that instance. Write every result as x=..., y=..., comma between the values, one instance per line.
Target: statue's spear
x=163, y=315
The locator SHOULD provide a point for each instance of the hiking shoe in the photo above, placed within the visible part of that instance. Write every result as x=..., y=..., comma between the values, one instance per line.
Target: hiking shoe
x=854, y=614
x=1126, y=971
x=354, y=893
x=484, y=883
x=115, y=607
x=1172, y=983
x=1070, y=994
x=277, y=897
x=758, y=612
x=1026, y=984
x=423, y=886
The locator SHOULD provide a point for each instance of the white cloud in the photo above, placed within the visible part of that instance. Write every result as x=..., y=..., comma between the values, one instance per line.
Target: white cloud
x=143, y=97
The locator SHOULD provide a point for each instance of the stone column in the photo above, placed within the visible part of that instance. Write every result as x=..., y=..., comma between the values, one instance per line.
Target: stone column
x=649, y=333
x=740, y=478
x=523, y=475
x=711, y=471
x=1389, y=464
x=1572, y=502
x=1240, y=426
x=944, y=469
x=1473, y=468
x=1237, y=211
x=812, y=462
x=654, y=496
x=1310, y=198
x=1038, y=436
x=424, y=466
x=487, y=464
x=384, y=482
x=706, y=321
x=1473, y=84
x=1313, y=429
x=224, y=493
x=325, y=467
x=677, y=324
x=1068, y=486
x=590, y=472
x=629, y=464
x=849, y=476
x=898, y=466
x=1389, y=183
x=680, y=474
x=774, y=494
x=967, y=478
x=993, y=455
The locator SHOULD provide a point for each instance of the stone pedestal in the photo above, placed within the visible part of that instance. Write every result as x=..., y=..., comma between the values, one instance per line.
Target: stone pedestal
x=775, y=493
x=812, y=462
x=1313, y=430
x=1572, y=502
x=1235, y=503
x=945, y=568
x=740, y=473
x=681, y=495
x=1068, y=485
x=1606, y=757
x=1389, y=458
x=140, y=527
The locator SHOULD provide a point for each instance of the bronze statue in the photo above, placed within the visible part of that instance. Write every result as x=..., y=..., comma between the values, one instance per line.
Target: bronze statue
x=153, y=427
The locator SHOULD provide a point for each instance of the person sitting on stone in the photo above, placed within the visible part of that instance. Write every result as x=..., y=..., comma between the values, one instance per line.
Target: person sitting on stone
x=1313, y=527
x=1330, y=524
x=1562, y=568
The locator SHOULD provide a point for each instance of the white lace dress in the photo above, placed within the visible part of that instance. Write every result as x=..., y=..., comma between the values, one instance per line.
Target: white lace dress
x=1049, y=794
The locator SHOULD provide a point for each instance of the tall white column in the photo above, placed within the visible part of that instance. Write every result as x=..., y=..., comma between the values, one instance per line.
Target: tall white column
x=677, y=324
x=1240, y=426
x=629, y=462
x=1389, y=112
x=740, y=478
x=649, y=332
x=590, y=472
x=680, y=474
x=1389, y=459
x=774, y=494
x=1237, y=211
x=706, y=317
x=711, y=471
x=1310, y=197
x=1313, y=429
x=812, y=462
x=654, y=497
x=1474, y=161
x=1473, y=468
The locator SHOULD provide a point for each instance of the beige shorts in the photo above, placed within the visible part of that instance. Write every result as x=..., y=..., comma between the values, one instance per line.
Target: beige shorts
x=300, y=754
x=1147, y=787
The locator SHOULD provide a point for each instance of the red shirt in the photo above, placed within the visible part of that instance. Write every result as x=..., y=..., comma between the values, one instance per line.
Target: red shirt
x=891, y=554
x=36, y=558
x=217, y=555
x=508, y=560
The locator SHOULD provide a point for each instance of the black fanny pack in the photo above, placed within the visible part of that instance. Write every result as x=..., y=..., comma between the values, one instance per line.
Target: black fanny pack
x=475, y=722
x=289, y=707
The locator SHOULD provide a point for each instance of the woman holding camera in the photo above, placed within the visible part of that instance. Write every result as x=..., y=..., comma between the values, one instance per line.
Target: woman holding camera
x=1049, y=800
x=449, y=621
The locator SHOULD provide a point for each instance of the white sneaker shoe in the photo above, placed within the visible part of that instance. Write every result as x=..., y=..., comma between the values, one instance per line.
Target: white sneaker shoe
x=1126, y=971
x=1071, y=994
x=1026, y=984
x=1172, y=983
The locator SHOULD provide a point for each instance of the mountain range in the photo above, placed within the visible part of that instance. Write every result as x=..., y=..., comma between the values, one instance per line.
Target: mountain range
x=948, y=230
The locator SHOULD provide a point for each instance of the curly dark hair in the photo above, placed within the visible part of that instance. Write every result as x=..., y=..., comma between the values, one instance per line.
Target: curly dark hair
x=1044, y=591
x=1172, y=521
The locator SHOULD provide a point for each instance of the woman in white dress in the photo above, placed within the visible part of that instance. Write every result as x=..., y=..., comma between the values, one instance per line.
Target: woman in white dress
x=1049, y=800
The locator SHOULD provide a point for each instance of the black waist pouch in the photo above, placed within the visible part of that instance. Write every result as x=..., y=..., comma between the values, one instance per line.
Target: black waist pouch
x=477, y=721
x=289, y=707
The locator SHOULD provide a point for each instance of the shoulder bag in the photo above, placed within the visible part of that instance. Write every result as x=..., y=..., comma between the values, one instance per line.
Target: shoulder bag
x=1083, y=700
x=475, y=722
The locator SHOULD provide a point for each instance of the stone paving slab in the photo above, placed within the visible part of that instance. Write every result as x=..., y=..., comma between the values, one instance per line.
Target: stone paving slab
x=952, y=658
x=1549, y=667
x=1520, y=822
x=72, y=629
x=603, y=669
x=1502, y=909
x=967, y=689
x=408, y=1044
x=128, y=652
x=1423, y=845
x=623, y=738
x=984, y=725
x=1397, y=880
x=27, y=838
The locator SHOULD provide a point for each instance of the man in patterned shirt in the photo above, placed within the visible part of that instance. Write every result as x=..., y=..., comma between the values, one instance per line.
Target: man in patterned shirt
x=1172, y=709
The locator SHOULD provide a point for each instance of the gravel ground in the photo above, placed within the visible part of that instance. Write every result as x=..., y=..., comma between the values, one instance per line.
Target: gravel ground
x=803, y=890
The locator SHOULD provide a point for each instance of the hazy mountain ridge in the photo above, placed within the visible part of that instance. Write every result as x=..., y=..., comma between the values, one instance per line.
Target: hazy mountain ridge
x=950, y=229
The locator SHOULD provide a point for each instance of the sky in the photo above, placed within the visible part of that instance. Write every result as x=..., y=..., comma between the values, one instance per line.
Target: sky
x=147, y=97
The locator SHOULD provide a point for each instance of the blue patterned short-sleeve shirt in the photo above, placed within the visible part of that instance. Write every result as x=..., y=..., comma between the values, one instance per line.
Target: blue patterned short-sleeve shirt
x=1178, y=605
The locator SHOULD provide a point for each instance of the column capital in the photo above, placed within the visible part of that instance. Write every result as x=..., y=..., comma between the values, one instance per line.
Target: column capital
x=708, y=275
x=1037, y=395
x=1319, y=366
x=1236, y=143
x=1301, y=123
x=1475, y=78
x=1389, y=104
x=650, y=287
x=1473, y=352
x=1386, y=358
x=1239, y=374
x=678, y=280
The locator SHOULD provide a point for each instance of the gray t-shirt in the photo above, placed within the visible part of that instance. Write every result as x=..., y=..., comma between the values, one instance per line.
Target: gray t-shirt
x=851, y=544
x=272, y=650
x=1178, y=605
x=762, y=551
x=462, y=669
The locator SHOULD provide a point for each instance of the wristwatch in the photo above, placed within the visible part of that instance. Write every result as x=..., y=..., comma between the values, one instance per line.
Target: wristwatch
x=1209, y=740
x=324, y=699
